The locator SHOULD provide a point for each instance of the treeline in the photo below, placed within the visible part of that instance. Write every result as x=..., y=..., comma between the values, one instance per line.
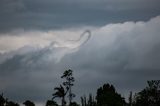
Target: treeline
x=105, y=95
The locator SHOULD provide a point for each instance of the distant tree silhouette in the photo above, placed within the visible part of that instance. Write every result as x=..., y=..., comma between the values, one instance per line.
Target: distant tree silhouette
x=91, y=100
x=60, y=93
x=2, y=100
x=130, y=99
x=88, y=102
x=28, y=103
x=107, y=96
x=11, y=103
x=51, y=103
x=84, y=101
x=150, y=96
x=5, y=102
x=68, y=83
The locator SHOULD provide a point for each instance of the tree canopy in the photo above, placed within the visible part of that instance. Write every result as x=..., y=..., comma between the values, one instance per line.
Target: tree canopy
x=150, y=96
x=28, y=103
x=107, y=96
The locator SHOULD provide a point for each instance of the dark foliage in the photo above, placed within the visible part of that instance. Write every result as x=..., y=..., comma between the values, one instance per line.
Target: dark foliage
x=10, y=103
x=5, y=102
x=28, y=103
x=51, y=103
x=130, y=99
x=68, y=83
x=60, y=93
x=107, y=96
x=2, y=100
x=88, y=102
x=150, y=96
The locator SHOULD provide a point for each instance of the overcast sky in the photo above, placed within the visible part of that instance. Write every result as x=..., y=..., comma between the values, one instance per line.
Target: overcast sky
x=40, y=39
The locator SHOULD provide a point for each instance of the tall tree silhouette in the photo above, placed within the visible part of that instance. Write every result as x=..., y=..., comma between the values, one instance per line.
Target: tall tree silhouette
x=60, y=93
x=107, y=96
x=68, y=83
x=130, y=99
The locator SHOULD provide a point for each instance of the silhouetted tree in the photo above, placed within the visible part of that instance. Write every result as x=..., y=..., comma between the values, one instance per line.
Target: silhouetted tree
x=28, y=103
x=130, y=99
x=91, y=100
x=51, y=103
x=107, y=96
x=2, y=100
x=11, y=103
x=83, y=101
x=5, y=102
x=150, y=96
x=88, y=102
x=60, y=93
x=68, y=83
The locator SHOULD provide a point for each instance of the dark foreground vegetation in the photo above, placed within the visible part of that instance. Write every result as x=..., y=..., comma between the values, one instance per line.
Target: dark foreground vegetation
x=105, y=96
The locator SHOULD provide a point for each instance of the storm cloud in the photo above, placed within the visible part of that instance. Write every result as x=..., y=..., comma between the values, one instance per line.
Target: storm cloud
x=62, y=14
x=125, y=54
x=102, y=41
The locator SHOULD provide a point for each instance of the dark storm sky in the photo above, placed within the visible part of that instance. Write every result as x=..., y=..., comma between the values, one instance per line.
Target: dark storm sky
x=38, y=41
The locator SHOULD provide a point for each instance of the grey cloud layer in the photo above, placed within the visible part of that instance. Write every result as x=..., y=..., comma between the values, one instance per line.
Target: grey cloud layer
x=59, y=14
x=124, y=54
